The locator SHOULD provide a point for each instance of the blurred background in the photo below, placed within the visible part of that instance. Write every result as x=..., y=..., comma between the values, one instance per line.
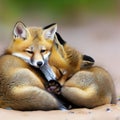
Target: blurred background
x=66, y=12
x=91, y=26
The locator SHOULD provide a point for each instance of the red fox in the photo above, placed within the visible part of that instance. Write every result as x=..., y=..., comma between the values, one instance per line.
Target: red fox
x=22, y=87
x=67, y=59
x=36, y=49
x=90, y=86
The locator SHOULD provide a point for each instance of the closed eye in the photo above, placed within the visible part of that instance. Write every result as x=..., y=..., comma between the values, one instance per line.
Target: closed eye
x=42, y=51
x=29, y=51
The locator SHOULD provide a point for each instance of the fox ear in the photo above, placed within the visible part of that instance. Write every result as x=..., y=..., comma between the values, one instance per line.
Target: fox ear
x=87, y=61
x=56, y=43
x=20, y=30
x=49, y=31
x=58, y=47
x=60, y=39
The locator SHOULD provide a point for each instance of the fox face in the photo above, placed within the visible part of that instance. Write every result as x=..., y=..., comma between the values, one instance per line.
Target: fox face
x=32, y=44
x=36, y=55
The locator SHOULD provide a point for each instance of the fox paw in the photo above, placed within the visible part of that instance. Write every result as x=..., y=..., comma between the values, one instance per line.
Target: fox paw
x=54, y=87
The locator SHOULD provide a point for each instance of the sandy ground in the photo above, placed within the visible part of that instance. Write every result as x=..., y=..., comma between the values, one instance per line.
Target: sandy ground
x=106, y=112
x=101, y=41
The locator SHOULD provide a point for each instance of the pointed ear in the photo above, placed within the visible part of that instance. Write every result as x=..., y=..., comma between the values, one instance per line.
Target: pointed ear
x=56, y=43
x=60, y=39
x=49, y=31
x=59, y=48
x=20, y=31
x=87, y=61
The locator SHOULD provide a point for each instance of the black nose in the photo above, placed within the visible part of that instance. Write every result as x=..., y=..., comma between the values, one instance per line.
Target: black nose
x=39, y=63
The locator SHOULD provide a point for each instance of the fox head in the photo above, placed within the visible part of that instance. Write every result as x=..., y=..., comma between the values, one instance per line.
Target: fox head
x=32, y=44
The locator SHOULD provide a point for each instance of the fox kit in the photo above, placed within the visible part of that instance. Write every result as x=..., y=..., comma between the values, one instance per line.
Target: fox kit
x=36, y=49
x=89, y=86
x=67, y=59
x=21, y=85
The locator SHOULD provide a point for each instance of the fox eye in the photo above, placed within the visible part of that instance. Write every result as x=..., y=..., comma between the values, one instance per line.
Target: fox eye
x=28, y=51
x=42, y=51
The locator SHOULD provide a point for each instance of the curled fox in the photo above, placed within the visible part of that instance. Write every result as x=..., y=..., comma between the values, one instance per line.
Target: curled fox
x=90, y=86
x=22, y=87
x=67, y=59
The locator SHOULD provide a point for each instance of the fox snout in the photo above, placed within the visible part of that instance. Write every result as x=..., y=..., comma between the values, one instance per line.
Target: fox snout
x=36, y=63
x=39, y=63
